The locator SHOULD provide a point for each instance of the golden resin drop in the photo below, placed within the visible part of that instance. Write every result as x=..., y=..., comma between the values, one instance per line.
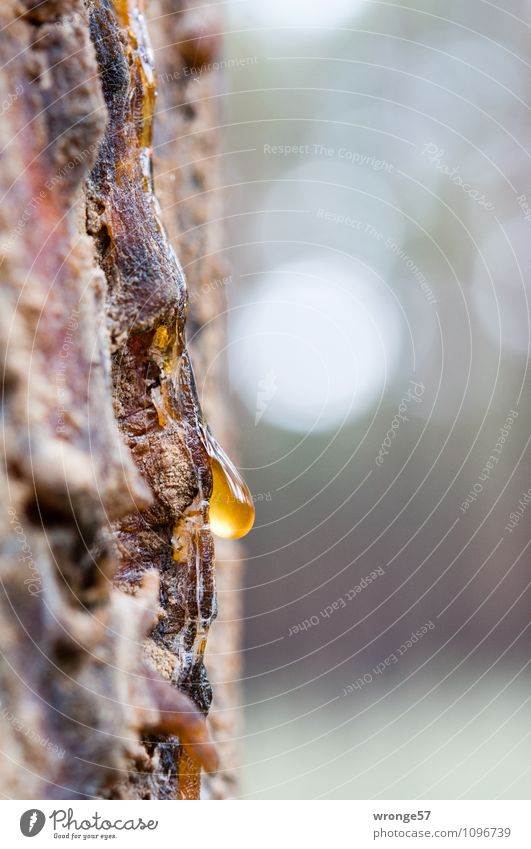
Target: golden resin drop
x=231, y=503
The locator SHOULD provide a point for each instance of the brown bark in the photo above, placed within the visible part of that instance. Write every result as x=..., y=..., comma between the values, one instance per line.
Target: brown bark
x=107, y=570
x=189, y=181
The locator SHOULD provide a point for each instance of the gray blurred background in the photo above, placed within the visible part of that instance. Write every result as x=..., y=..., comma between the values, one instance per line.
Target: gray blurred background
x=378, y=176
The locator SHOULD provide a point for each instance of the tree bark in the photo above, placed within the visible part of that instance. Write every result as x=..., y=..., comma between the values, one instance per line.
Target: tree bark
x=107, y=592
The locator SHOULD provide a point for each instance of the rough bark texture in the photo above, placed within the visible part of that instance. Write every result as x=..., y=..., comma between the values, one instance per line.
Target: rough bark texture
x=188, y=181
x=107, y=575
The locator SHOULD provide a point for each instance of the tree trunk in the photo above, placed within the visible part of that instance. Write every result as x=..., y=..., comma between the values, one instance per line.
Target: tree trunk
x=107, y=570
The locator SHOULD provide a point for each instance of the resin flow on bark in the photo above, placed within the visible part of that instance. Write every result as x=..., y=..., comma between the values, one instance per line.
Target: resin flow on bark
x=156, y=402
x=230, y=506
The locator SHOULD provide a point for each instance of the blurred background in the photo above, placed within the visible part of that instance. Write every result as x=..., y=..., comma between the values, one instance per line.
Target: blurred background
x=378, y=225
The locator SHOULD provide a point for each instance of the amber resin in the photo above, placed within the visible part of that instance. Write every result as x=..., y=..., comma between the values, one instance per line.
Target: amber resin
x=231, y=503
x=230, y=506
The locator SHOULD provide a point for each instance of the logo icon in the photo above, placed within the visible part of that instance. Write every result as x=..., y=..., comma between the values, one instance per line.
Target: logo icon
x=32, y=822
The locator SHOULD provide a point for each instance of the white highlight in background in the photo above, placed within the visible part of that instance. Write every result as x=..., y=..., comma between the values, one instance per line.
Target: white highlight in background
x=330, y=337
x=295, y=13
